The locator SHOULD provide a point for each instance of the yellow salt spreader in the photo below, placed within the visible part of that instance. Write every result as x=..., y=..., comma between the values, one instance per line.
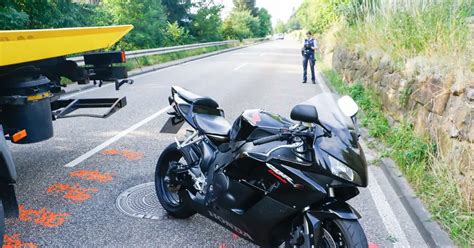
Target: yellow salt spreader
x=32, y=63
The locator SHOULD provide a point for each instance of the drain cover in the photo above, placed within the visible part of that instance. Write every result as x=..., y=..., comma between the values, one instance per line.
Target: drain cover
x=141, y=202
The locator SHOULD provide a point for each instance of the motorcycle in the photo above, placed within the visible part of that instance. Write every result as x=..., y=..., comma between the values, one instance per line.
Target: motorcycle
x=266, y=178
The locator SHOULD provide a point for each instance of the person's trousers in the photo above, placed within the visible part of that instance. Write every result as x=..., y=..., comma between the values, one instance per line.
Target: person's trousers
x=311, y=61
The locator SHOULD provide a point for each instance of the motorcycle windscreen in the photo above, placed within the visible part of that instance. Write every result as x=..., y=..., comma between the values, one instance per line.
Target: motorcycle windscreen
x=331, y=116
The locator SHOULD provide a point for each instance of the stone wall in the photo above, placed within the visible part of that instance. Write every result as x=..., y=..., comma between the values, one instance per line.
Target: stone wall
x=438, y=101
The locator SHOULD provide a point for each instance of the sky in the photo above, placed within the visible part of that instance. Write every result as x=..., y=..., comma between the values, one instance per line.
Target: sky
x=279, y=9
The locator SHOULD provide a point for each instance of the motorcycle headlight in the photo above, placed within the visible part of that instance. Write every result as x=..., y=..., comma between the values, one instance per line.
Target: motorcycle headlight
x=341, y=170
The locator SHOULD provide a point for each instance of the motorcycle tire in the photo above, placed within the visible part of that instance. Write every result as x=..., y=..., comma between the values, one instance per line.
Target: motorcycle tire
x=170, y=201
x=340, y=233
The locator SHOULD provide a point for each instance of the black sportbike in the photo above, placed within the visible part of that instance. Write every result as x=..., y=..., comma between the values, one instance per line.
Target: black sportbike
x=266, y=178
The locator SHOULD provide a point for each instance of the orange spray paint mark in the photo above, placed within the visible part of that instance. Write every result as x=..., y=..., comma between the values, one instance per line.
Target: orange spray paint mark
x=42, y=217
x=223, y=245
x=130, y=155
x=92, y=175
x=72, y=192
x=373, y=245
x=14, y=241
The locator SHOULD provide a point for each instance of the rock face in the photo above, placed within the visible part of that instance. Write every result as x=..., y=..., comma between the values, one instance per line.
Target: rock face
x=428, y=96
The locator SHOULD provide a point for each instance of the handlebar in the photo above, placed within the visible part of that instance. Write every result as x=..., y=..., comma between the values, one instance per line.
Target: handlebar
x=284, y=134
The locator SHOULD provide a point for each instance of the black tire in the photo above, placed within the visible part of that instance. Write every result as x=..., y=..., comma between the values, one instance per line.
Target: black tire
x=352, y=233
x=2, y=223
x=340, y=233
x=170, y=201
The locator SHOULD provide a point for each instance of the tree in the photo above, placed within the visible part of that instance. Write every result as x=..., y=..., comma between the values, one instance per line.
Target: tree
x=22, y=14
x=240, y=25
x=280, y=27
x=242, y=5
x=265, y=20
x=175, y=35
x=206, y=23
x=147, y=16
x=318, y=15
x=178, y=11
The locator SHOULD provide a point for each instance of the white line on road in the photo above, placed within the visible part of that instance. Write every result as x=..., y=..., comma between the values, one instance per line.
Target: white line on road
x=115, y=138
x=240, y=66
x=386, y=213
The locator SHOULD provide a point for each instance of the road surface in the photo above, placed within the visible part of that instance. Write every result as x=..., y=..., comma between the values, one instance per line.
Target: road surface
x=68, y=186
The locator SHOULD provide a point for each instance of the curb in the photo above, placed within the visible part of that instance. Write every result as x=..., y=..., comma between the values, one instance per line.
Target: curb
x=429, y=229
x=152, y=68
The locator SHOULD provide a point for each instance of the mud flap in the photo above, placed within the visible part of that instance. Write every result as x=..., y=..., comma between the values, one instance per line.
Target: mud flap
x=172, y=126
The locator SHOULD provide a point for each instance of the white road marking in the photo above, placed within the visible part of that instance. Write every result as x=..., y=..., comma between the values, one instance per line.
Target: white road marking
x=240, y=66
x=115, y=138
x=386, y=213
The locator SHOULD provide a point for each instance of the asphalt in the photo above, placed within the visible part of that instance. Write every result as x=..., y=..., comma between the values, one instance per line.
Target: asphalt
x=266, y=76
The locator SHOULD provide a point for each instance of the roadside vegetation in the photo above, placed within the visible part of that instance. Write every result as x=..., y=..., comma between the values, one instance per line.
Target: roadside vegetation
x=434, y=29
x=157, y=23
x=416, y=156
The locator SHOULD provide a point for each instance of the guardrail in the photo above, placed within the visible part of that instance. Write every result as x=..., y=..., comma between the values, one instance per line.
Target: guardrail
x=164, y=50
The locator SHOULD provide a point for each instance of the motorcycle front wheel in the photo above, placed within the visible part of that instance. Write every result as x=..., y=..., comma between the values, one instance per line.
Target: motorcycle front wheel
x=168, y=194
x=336, y=233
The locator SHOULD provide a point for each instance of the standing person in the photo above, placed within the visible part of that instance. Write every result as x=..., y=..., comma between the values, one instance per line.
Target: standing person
x=309, y=47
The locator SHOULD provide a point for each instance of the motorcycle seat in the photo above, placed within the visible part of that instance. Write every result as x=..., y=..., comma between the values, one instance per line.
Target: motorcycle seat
x=194, y=99
x=215, y=127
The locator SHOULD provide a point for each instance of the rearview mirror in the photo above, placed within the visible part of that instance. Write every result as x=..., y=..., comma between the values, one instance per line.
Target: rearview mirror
x=348, y=106
x=305, y=113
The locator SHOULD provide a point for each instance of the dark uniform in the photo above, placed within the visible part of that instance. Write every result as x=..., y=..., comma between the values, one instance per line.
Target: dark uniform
x=308, y=56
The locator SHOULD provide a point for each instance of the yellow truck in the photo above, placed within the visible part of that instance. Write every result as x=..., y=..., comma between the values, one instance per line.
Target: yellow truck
x=32, y=63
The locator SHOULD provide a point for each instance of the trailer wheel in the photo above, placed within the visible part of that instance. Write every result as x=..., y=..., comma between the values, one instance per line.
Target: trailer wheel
x=2, y=223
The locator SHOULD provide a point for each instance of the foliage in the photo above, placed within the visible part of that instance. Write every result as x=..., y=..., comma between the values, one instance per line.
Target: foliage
x=207, y=21
x=156, y=22
x=175, y=35
x=318, y=15
x=439, y=29
x=240, y=25
x=280, y=27
x=147, y=17
x=243, y=5
x=23, y=14
x=178, y=11
x=265, y=22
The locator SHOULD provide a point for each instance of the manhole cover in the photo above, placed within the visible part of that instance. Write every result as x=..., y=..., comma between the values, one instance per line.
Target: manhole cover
x=141, y=202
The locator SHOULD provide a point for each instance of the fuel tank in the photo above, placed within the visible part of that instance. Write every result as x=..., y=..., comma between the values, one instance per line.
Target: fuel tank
x=256, y=123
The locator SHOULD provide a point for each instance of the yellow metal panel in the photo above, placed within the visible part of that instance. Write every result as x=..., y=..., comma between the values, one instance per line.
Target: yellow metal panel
x=19, y=46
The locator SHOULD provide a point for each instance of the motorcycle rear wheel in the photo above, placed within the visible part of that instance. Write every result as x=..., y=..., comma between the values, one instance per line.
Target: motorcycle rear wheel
x=168, y=194
x=339, y=233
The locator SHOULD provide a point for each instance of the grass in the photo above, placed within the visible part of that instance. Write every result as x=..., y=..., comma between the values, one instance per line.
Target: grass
x=418, y=159
x=436, y=29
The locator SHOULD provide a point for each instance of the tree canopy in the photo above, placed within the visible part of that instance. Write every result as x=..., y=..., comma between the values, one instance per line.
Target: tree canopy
x=157, y=22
